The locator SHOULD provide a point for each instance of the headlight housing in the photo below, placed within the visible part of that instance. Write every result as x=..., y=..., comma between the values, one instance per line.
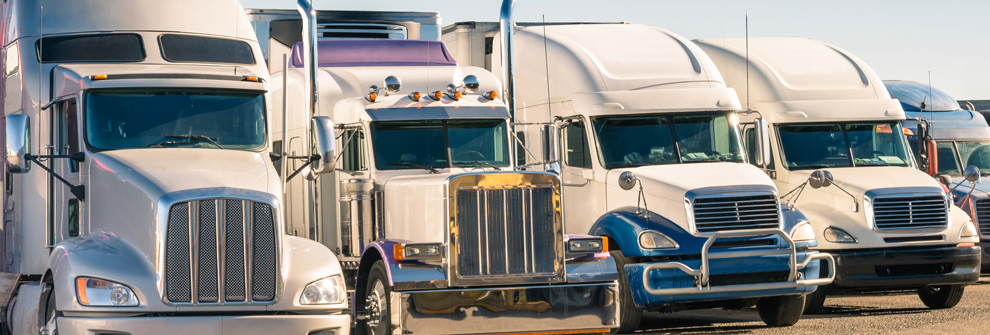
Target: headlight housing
x=326, y=291
x=590, y=245
x=105, y=293
x=968, y=229
x=803, y=232
x=836, y=235
x=417, y=251
x=654, y=240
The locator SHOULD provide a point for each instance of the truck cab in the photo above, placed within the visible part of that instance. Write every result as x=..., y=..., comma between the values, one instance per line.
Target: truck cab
x=139, y=192
x=643, y=132
x=962, y=140
x=839, y=155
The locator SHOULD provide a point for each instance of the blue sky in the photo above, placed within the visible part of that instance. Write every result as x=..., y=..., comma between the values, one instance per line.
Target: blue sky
x=898, y=39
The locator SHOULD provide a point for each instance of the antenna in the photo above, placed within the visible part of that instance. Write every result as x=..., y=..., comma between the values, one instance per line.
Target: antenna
x=237, y=22
x=931, y=112
x=546, y=61
x=747, y=60
x=41, y=57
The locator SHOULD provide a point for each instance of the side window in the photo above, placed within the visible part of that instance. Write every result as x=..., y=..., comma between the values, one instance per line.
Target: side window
x=277, y=148
x=354, y=158
x=69, y=132
x=576, y=152
x=947, y=162
x=73, y=209
x=750, y=139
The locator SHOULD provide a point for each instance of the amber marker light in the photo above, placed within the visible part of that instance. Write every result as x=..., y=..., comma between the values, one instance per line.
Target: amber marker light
x=100, y=77
x=457, y=95
x=966, y=245
x=81, y=291
x=437, y=95
x=604, y=244
x=491, y=95
x=398, y=252
x=415, y=96
x=908, y=132
x=251, y=78
x=372, y=96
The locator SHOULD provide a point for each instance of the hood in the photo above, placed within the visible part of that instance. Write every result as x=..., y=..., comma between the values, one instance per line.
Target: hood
x=858, y=181
x=177, y=169
x=665, y=186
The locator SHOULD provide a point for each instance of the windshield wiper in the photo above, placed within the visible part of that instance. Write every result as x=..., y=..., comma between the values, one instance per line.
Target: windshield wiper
x=629, y=165
x=199, y=139
x=872, y=164
x=485, y=164
x=411, y=164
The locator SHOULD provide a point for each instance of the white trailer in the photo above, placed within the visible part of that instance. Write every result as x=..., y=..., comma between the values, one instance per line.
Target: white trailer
x=651, y=158
x=139, y=195
x=438, y=232
x=834, y=127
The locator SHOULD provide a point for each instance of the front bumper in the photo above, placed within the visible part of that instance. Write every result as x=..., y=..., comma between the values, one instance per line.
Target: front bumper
x=985, y=260
x=556, y=308
x=905, y=267
x=208, y=325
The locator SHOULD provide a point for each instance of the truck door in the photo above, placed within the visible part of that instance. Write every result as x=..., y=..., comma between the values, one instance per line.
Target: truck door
x=66, y=209
x=583, y=198
x=749, y=140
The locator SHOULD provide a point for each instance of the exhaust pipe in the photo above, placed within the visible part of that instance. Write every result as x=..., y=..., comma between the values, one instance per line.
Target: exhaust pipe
x=310, y=62
x=506, y=26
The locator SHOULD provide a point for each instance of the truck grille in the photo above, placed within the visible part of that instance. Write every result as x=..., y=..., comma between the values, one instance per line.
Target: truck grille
x=742, y=212
x=506, y=231
x=983, y=211
x=910, y=212
x=220, y=251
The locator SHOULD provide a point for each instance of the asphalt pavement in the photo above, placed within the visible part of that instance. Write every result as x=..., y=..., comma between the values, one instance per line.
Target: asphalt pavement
x=892, y=313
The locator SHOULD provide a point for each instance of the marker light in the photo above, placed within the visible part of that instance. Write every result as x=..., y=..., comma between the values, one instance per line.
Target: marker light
x=491, y=95
x=398, y=252
x=329, y=290
x=96, y=292
x=100, y=77
x=251, y=78
x=371, y=97
x=908, y=132
x=456, y=96
x=437, y=95
x=415, y=96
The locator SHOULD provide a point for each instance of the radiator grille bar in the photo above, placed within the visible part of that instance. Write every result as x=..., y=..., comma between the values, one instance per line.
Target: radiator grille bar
x=728, y=212
x=910, y=212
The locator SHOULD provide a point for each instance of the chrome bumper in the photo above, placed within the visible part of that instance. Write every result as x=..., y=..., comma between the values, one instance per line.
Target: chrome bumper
x=208, y=325
x=701, y=275
x=552, y=308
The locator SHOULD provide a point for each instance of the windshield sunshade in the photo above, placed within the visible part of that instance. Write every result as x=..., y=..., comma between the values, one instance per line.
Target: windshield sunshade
x=666, y=139
x=185, y=48
x=439, y=143
x=91, y=48
x=824, y=145
x=181, y=118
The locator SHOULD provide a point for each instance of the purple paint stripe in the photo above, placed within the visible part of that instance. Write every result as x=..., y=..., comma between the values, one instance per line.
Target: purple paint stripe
x=376, y=52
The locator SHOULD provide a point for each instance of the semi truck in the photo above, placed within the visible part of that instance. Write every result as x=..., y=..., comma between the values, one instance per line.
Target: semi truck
x=139, y=192
x=962, y=143
x=437, y=231
x=840, y=156
x=639, y=125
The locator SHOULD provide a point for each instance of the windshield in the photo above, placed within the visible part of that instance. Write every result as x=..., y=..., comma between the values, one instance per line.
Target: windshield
x=666, y=139
x=971, y=153
x=439, y=143
x=175, y=118
x=821, y=145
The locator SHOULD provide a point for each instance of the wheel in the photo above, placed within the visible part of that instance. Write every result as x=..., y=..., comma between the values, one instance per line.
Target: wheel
x=781, y=311
x=629, y=313
x=939, y=297
x=814, y=302
x=376, y=294
x=51, y=314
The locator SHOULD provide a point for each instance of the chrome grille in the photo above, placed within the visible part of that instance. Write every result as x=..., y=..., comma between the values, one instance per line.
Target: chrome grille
x=722, y=212
x=909, y=212
x=215, y=248
x=506, y=231
x=983, y=211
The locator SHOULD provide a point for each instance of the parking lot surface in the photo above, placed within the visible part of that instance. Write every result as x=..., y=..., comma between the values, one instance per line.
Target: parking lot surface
x=888, y=314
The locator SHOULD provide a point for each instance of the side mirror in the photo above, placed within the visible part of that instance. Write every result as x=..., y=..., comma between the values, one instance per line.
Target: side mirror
x=323, y=144
x=763, y=137
x=972, y=174
x=551, y=140
x=945, y=180
x=18, y=138
x=820, y=178
x=933, y=158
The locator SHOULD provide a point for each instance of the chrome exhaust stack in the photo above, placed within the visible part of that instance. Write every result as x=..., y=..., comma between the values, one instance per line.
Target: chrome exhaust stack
x=506, y=25
x=310, y=63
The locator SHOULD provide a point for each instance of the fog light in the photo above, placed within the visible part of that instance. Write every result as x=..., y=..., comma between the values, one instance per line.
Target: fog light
x=836, y=235
x=655, y=240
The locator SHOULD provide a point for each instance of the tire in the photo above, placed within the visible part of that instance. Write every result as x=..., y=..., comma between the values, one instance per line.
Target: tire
x=376, y=292
x=51, y=313
x=940, y=297
x=781, y=311
x=629, y=313
x=814, y=302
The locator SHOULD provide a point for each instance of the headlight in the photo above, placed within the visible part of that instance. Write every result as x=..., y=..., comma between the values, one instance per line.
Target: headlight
x=96, y=292
x=968, y=229
x=803, y=232
x=325, y=291
x=655, y=240
x=587, y=245
x=405, y=251
x=836, y=235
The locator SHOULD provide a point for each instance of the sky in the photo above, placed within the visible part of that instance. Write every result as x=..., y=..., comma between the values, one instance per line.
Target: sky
x=902, y=40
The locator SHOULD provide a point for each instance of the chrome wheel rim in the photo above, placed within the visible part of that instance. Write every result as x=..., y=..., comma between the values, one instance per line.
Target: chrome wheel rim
x=375, y=304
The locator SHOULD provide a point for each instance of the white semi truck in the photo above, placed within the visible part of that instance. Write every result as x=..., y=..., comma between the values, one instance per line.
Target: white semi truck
x=438, y=232
x=652, y=159
x=139, y=194
x=835, y=128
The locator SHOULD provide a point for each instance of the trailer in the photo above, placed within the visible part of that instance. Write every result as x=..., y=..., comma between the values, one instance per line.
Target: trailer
x=962, y=148
x=840, y=156
x=642, y=130
x=139, y=192
x=437, y=230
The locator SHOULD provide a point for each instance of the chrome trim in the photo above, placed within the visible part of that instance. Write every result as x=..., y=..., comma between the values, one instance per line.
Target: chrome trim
x=390, y=29
x=727, y=191
x=869, y=197
x=982, y=228
x=702, y=276
x=165, y=203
